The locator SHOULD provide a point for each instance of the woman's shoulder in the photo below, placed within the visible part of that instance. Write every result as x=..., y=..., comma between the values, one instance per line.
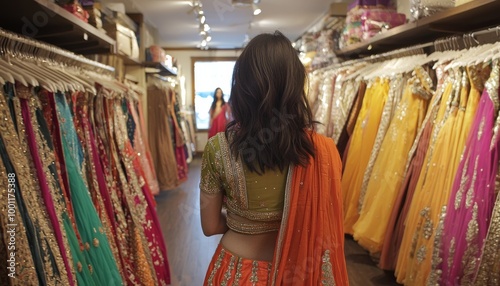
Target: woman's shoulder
x=320, y=138
x=217, y=140
x=323, y=143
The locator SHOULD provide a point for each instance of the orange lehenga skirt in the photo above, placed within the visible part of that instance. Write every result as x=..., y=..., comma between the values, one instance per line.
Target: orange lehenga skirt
x=310, y=245
x=229, y=269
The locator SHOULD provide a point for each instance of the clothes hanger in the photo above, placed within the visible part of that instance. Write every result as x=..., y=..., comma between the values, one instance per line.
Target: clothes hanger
x=20, y=59
x=14, y=51
x=3, y=65
x=7, y=77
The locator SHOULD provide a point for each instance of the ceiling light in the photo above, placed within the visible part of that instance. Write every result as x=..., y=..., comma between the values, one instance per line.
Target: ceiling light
x=209, y=38
x=256, y=9
x=206, y=27
x=203, y=33
x=202, y=19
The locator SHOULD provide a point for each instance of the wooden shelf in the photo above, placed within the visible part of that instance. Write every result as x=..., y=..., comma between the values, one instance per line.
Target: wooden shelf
x=46, y=21
x=164, y=70
x=466, y=18
x=128, y=61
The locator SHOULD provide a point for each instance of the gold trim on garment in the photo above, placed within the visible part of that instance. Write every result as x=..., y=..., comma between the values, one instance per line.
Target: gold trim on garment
x=284, y=223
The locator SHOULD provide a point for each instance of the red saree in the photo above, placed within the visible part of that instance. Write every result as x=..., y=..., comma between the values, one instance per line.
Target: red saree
x=219, y=122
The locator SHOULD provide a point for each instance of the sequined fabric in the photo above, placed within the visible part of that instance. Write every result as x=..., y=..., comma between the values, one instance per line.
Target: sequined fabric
x=47, y=258
x=388, y=169
x=471, y=203
x=229, y=269
x=362, y=142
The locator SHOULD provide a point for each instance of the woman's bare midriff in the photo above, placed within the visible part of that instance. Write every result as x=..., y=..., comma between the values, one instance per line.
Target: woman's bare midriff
x=251, y=246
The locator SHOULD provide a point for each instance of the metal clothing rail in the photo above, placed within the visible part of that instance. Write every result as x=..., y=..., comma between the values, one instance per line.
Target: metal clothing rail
x=454, y=42
x=13, y=43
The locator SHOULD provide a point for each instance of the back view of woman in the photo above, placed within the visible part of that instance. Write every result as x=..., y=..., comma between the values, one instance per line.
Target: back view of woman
x=278, y=180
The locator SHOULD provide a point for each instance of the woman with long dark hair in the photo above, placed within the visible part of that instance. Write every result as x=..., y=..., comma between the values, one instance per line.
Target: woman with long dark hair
x=277, y=178
x=219, y=114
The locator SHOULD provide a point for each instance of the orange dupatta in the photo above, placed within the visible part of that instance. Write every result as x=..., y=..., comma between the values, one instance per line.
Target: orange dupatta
x=310, y=246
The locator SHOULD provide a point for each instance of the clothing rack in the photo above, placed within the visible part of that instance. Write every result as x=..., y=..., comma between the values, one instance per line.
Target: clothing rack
x=12, y=44
x=456, y=42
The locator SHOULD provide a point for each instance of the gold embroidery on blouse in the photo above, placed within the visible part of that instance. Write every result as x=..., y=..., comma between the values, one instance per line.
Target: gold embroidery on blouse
x=208, y=183
x=327, y=277
x=252, y=227
x=253, y=215
x=235, y=175
x=284, y=222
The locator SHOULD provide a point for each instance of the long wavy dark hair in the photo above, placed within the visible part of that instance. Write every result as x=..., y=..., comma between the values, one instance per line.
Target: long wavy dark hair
x=212, y=107
x=269, y=106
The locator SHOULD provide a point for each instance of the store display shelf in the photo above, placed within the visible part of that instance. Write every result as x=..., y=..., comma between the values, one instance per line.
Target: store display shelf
x=46, y=21
x=478, y=14
x=162, y=69
x=128, y=61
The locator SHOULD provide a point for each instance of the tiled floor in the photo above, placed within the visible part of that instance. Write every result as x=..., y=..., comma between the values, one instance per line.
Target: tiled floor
x=189, y=251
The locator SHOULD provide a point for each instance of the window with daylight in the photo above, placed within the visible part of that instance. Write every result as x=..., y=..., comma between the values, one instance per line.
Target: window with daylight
x=210, y=74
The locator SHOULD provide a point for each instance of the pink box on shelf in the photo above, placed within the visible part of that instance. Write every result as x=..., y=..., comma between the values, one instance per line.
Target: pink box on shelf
x=377, y=20
x=379, y=3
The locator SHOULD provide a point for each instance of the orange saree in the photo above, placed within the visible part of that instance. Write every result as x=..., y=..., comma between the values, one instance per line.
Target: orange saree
x=310, y=245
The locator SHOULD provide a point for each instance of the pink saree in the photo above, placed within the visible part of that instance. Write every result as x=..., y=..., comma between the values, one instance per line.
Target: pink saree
x=471, y=203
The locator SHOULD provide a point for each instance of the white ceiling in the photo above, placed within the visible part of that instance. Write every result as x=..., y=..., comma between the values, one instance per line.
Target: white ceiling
x=229, y=24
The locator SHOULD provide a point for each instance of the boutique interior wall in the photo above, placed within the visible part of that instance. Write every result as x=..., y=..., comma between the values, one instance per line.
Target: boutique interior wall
x=184, y=59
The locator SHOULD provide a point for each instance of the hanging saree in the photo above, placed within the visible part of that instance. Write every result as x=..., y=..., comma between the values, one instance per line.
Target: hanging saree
x=48, y=261
x=142, y=150
x=81, y=104
x=388, y=170
x=103, y=265
x=25, y=274
x=431, y=196
x=488, y=274
x=160, y=139
x=360, y=147
x=398, y=86
x=41, y=151
x=310, y=245
x=471, y=203
x=415, y=161
x=153, y=242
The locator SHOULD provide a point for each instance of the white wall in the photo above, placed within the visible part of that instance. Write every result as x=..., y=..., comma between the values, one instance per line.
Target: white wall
x=184, y=60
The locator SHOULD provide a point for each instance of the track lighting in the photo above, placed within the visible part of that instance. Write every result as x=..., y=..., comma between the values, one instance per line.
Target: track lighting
x=256, y=9
x=203, y=27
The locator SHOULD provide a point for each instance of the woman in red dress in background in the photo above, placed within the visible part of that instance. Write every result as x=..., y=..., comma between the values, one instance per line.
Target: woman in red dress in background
x=219, y=114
